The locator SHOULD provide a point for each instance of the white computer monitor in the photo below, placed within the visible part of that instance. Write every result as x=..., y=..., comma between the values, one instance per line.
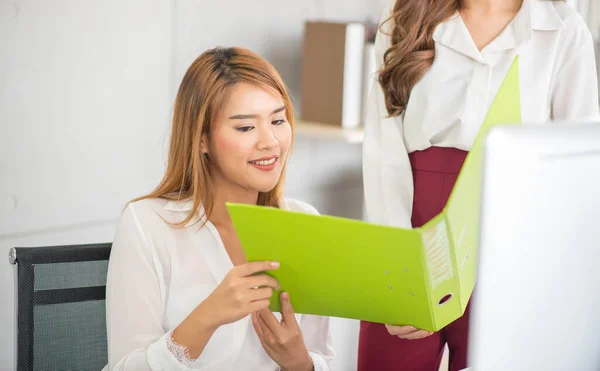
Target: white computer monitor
x=536, y=304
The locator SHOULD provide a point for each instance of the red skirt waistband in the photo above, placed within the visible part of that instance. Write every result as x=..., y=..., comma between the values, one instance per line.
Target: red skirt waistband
x=438, y=159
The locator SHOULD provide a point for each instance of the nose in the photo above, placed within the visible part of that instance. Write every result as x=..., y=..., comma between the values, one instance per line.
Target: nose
x=267, y=139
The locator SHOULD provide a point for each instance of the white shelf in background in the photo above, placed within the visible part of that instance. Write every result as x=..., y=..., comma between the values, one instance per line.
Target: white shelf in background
x=326, y=131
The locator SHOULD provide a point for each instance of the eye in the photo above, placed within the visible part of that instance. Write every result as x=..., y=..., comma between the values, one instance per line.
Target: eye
x=244, y=129
x=278, y=122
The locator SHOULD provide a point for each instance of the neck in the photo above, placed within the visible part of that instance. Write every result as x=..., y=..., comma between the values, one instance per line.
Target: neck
x=489, y=6
x=225, y=193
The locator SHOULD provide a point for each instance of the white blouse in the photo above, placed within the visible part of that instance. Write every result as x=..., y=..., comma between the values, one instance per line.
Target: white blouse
x=558, y=81
x=158, y=274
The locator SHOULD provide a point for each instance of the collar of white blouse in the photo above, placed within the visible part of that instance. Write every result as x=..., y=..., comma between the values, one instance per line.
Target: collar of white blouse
x=534, y=15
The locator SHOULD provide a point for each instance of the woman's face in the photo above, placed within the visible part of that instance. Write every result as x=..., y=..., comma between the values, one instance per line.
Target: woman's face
x=250, y=140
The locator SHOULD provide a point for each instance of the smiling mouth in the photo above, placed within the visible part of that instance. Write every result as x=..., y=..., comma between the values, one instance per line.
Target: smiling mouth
x=264, y=162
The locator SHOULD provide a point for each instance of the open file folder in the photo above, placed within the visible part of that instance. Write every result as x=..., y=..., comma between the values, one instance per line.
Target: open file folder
x=346, y=268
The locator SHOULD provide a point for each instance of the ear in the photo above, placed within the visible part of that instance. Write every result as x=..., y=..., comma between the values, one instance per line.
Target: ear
x=204, y=144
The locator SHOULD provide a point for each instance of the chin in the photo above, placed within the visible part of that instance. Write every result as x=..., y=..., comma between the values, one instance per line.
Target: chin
x=265, y=186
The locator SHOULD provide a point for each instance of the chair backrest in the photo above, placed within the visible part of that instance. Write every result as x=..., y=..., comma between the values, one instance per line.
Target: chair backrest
x=61, y=322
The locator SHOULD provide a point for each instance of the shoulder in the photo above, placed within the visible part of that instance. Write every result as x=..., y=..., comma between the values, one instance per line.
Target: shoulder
x=153, y=226
x=385, y=23
x=575, y=31
x=385, y=27
x=558, y=27
x=145, y=208
x=300, y=206
x=156, y=213
x=567, y=13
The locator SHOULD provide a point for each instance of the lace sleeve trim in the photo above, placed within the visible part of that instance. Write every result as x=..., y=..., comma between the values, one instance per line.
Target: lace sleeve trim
x=180, y=352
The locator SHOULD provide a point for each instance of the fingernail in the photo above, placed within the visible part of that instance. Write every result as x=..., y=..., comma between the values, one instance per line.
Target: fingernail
x=285, y=295
x=275, y=264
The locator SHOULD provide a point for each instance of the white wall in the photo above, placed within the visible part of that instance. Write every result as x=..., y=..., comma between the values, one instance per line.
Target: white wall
x=83, y=106
x=86, y=91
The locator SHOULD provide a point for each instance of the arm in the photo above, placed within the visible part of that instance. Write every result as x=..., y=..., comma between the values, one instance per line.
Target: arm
x=135, y=309
x=575, y=92
x=135, y=303
x=387, y=174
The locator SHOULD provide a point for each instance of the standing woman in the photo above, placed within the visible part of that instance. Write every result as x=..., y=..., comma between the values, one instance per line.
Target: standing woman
x=440, y=65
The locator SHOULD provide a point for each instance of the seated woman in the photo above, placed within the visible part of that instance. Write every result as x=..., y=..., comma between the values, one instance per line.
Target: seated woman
x=180, y=294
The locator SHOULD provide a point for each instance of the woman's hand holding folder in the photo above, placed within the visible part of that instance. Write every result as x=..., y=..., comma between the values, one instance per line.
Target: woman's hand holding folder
x=283, y=341
x=407, y=332
x=242, y=292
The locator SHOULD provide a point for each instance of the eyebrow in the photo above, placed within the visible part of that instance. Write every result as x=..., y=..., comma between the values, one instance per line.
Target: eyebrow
x=243, y=117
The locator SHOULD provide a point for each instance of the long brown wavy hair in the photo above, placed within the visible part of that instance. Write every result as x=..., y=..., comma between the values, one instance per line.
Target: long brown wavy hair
x=412, y=47
x=412, y=50
x=201, y=94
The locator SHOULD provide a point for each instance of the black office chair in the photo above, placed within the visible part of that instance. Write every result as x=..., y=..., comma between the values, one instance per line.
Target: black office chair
x=61, y=322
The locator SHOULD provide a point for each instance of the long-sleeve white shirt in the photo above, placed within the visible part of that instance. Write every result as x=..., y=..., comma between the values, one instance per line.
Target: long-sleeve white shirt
x=558, y=81
x=158, y=274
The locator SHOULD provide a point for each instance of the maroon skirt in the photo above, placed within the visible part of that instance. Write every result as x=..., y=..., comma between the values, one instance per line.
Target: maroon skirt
x=434, y=173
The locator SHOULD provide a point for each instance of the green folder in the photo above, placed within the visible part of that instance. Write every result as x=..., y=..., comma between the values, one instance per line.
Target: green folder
x=347, y=268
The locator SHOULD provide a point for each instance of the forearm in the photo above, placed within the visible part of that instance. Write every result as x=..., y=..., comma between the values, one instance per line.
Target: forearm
x=306, y=365
x=194, y=332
